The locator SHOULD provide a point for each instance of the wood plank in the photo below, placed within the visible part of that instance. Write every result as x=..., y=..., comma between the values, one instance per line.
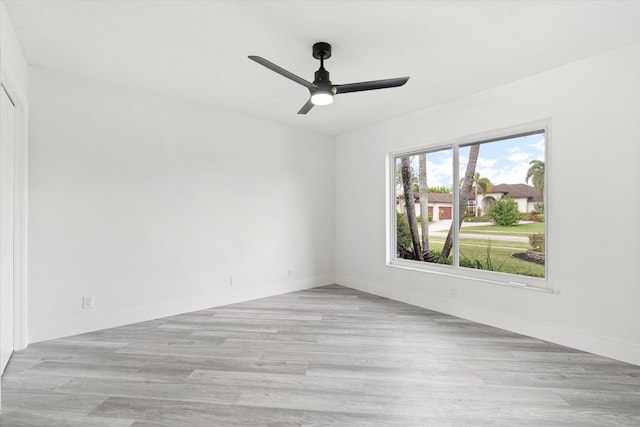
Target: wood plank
x=323, y=356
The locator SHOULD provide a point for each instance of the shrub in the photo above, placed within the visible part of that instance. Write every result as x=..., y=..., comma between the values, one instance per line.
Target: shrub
x=537, y=242
x=436, y=254
x=526, y=216
x=539, y=207
x=419, y=219
x=403, y=236
x=540, y=217
x=466, y=262
x=505, y=212
x=468, y=213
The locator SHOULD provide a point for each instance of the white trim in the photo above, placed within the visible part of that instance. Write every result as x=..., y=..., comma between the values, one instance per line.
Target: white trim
x=455, y=201
x=390, y=196
x=20, y=209
x=625, y=351
x=449, y=271
x=545, y=200
x=499, y=278
x=90, y=320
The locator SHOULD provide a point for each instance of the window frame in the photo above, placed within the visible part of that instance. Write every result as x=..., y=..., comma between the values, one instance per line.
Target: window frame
x=454, y=270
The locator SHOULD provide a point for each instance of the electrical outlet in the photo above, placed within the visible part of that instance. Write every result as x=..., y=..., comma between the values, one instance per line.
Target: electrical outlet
x=290, y=272
x=454, y=292
x=87, y=302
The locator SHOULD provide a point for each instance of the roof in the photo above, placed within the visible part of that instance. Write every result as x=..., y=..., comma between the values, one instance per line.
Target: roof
x=434, y=197
x=515, y=191
x=518, y=191
x=440, y=198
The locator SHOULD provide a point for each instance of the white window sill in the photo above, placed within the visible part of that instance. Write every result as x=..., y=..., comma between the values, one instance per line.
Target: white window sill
x=448, y=271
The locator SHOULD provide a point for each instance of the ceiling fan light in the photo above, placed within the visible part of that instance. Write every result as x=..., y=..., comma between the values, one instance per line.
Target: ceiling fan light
x=321, y=98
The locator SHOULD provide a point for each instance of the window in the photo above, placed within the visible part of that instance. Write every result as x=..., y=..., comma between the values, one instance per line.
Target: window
x=475, y=207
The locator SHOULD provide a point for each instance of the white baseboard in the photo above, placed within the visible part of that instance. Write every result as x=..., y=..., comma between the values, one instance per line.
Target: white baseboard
x=624, y=351
x=73, y=326
x=615, y=349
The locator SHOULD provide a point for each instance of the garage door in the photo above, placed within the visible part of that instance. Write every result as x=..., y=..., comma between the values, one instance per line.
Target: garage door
x=445, y=213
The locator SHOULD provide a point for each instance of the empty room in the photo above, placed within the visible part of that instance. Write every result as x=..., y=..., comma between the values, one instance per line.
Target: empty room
x=308, y=213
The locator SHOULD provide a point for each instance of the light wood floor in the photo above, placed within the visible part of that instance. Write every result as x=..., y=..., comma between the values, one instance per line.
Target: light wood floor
x=325, y=356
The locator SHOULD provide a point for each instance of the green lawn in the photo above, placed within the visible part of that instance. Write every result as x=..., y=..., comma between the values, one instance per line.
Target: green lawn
x=500, y=254
x=516, y=230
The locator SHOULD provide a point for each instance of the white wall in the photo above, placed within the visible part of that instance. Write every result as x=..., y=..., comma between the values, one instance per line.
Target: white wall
x=150, y=204
x=13, y=76
x=12, y=60
x=593, y=259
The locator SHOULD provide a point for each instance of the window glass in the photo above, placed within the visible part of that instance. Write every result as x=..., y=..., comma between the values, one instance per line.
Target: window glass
x=494, y=220
x=424, y=182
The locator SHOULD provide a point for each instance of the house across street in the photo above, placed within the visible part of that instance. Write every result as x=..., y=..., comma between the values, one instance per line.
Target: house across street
x=441, y=205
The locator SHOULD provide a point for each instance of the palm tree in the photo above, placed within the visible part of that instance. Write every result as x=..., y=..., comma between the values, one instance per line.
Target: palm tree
x=485, y=187
x=465, y=190
x=409, y=202
x=400, y=184
x=536, y=174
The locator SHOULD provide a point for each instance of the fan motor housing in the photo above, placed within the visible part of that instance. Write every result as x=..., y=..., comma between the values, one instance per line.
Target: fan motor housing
x=322, y=50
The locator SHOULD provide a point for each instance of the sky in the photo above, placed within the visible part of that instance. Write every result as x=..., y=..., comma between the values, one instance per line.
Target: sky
x=503, y=162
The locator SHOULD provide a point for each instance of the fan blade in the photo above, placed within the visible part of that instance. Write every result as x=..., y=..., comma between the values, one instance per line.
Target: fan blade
x=375, y=84
x=273, y=67
x=306, y=107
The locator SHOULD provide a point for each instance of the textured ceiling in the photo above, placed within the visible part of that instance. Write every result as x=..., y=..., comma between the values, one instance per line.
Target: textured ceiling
x=197, y=50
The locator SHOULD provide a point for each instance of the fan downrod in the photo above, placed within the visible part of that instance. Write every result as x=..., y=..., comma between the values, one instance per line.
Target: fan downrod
x=322, y=50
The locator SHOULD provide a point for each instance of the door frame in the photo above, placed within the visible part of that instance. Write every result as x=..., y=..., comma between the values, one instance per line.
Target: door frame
x=20, y=209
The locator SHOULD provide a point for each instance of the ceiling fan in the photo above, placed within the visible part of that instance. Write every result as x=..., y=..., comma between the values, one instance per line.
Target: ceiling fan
x=322, y=90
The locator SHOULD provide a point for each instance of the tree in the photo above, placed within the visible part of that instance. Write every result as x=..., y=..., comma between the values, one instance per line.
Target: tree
x=485, y=187
x=536, y=174
x=441, y=189
x=465, y=190
x=505, y=212
x=484, y=184
x=400, y=184
x=424, y=200
x=409, y=201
